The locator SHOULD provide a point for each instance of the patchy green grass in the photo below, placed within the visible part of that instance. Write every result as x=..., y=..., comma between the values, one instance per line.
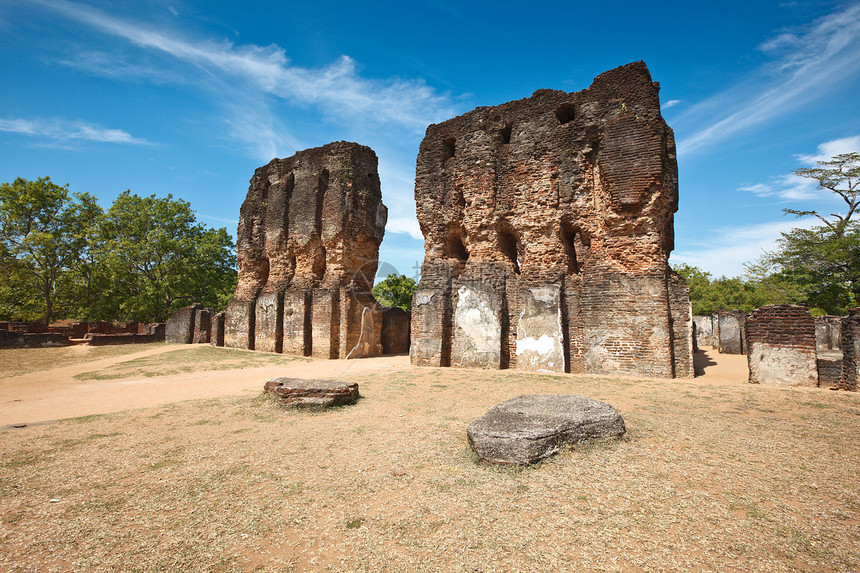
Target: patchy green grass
x=17, y=361
x=197, y=358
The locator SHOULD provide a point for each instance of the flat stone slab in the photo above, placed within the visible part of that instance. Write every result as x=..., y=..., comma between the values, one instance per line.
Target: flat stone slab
x=526, y=429
x=312, y=393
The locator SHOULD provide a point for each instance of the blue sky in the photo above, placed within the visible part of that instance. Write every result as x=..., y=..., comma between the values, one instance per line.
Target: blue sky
x=188, y=98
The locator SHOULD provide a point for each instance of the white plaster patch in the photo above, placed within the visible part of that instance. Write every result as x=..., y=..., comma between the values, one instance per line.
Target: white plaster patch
x=781, y=366
x=477, y=321
x=543, y=345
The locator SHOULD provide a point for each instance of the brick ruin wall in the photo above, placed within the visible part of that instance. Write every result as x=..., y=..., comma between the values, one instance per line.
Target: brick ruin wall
x=851, y=350
x=780, y=341
x=548, y=223
x=307, y=245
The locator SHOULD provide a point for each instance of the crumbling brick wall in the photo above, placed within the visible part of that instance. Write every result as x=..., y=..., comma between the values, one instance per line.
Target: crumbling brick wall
x=851, y=350
x=780, y=341
x=307, y=245
x=548, y=223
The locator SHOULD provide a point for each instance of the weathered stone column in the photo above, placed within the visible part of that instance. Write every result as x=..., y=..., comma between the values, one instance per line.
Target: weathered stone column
x=309, y=235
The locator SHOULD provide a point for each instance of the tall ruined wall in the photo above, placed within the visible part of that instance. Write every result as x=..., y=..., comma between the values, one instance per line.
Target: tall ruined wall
x=780, y=342
x=548, y=223
x=308, y=242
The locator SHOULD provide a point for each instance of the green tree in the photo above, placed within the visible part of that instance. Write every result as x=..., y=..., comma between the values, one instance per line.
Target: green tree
x=158, y=258
x=395, y=290
x=45, y=233
x=823, y=262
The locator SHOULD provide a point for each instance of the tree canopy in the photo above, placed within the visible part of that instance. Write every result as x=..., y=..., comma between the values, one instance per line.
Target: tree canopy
x=45, y=234
x=818, y=267
x=395, y=290
x=63, y=257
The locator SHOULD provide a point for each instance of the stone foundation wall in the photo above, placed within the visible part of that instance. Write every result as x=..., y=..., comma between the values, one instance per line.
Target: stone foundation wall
x=548, y=223
x=781, y=343
x=851, y=350
x=13, y=339
x=307, y=245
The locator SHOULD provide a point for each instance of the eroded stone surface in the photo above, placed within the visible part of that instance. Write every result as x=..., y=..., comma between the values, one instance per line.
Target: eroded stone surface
x=312, y=393
x=548, y=223
x=307, y=246
x=180, y=327
x=528, y=428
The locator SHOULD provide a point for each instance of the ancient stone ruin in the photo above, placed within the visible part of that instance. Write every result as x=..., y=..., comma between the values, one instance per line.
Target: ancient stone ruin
x=780, y=341
x=548, y=222
x=308, y=241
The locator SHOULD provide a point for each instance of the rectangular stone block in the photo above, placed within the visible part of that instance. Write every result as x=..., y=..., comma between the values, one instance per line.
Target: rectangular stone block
x=431, y=324
x=325, y=318
x=269, y=322
x=731, y=337
x=477, y=325
x=239, y=318
x=180, y=326
x=216, y=337
x=297, y=322
x=540, y=335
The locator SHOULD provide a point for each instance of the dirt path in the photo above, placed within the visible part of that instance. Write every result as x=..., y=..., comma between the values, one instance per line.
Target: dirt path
x=55, y=394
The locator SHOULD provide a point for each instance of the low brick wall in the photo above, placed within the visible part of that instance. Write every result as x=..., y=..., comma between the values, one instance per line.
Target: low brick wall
x=111, y=339
x=10, y=339
x=781, y=346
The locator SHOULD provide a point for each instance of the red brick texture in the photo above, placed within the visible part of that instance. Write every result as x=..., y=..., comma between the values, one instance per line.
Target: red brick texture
x=307, y=245
x=575, y=190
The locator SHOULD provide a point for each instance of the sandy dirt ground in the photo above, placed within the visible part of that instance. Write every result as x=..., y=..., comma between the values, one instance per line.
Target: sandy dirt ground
x=55, y=394
x=200, y=472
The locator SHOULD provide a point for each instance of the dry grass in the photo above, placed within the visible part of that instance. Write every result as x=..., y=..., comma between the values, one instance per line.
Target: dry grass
x=16, y=361
x=196, y=358
x=708, y=478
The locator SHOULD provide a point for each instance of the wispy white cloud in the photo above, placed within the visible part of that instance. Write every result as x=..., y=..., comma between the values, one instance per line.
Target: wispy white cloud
x=790, y=187
x=806, y=64
x=338, y=88
x=726, y=249
x=670, y=103
x=65, y=131
x=830, y=148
